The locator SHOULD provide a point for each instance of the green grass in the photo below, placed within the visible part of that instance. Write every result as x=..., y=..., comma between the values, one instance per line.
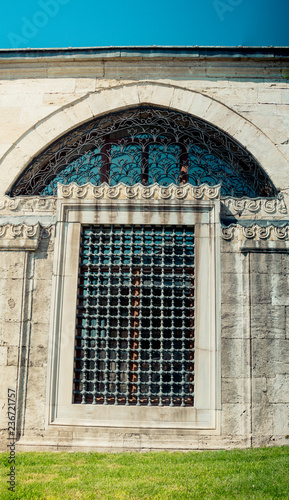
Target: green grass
x=248, y=474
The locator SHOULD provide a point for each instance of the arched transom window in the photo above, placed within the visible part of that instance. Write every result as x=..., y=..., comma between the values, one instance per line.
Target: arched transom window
x=146, y=145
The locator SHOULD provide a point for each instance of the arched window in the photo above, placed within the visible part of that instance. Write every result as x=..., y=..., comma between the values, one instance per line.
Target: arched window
x=137, y=280
x=146, y=145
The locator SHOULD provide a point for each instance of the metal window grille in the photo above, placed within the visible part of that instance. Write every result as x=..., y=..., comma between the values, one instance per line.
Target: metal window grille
x=147, y=145
x=135, y=316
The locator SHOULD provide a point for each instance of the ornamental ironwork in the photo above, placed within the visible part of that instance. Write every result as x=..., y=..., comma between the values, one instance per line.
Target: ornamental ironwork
x=135, y=316
x=146, y=145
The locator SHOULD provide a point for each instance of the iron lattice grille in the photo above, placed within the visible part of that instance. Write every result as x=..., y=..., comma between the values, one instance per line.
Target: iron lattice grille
x=135, y=316
x=147, y=145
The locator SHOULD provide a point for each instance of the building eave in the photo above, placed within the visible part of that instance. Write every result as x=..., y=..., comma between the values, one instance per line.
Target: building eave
x=179, y=52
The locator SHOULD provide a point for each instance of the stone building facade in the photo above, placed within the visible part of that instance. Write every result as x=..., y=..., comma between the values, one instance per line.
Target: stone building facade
x=144, y=247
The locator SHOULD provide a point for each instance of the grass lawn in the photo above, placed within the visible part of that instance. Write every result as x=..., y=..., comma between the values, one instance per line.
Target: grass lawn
x=255, y=473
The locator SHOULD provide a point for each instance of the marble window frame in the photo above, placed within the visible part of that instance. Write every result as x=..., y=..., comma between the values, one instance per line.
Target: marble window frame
x=72, y=213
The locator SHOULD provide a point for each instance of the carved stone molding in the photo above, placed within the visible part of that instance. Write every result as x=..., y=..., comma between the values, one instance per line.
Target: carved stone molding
x=9, y=203
x=228, y=233
x=256, y=232
x=19, y=236
x=138, y=192
x=23, y=236
x=248, y=206
x=34, y=204
x=229, y=206
x=47, y=232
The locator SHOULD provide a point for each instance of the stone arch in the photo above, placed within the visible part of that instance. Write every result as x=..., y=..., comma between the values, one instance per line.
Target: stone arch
x=116, y=98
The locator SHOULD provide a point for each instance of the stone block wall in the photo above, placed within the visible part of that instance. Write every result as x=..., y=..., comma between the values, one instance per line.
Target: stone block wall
x=235, y=344
x=270, y=383
x=255, y=345
x=39, y=101
x=12, y=267
x=24, y=333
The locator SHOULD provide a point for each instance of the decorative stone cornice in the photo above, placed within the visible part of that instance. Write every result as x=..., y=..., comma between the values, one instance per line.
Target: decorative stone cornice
x=35, y=204
x=229, y=232
x=138, y=192
x=9, y=203
x=47, y=232
x=19, y=231
x=19, y=236
x=256, y=232
x=256, y=206
x=23, y=236
x=230, y=207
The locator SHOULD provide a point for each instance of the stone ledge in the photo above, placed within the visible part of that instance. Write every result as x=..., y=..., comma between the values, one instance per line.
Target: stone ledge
x=24, y=236
x=19, y=237
x=264, y=246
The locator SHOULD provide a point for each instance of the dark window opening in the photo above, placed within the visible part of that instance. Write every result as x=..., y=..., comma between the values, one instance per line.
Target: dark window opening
x=135, y=316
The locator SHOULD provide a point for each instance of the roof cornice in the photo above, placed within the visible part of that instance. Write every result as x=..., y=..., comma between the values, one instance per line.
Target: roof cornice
x=193, y=52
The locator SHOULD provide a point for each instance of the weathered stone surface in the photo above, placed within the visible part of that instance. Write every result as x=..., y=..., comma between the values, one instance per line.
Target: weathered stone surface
x=3, y=423
x=35, y=401
x=235, y=357
x=259, y=392
x=38, y=356
x=41, y=301
x=35, y=414
x=262, y=424
x=36, y=384
x=39, y=334
x=10, y=299
x=232, y=289
x=12, y=355
x=235, y=321
x=262, y=411
x=262, y=286
x=268, y=322
x=287, y=322
x=235, y=390
x=3, y=355
x=278, y=388
x=11, y=265
x=285, y=258
x=43, y=266
x=9, y=333
x=8, y=379
x=280, y=289
x=236, y=419
x=235, y=263
x=228, y=247
x=273, y=440
x=270, y=418
x=267, y=263
x=281, y=420
x=270, y=357
x=85, y=85
x=46, y=246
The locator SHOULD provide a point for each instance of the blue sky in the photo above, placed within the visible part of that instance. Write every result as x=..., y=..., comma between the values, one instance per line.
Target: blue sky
x=86, y=23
